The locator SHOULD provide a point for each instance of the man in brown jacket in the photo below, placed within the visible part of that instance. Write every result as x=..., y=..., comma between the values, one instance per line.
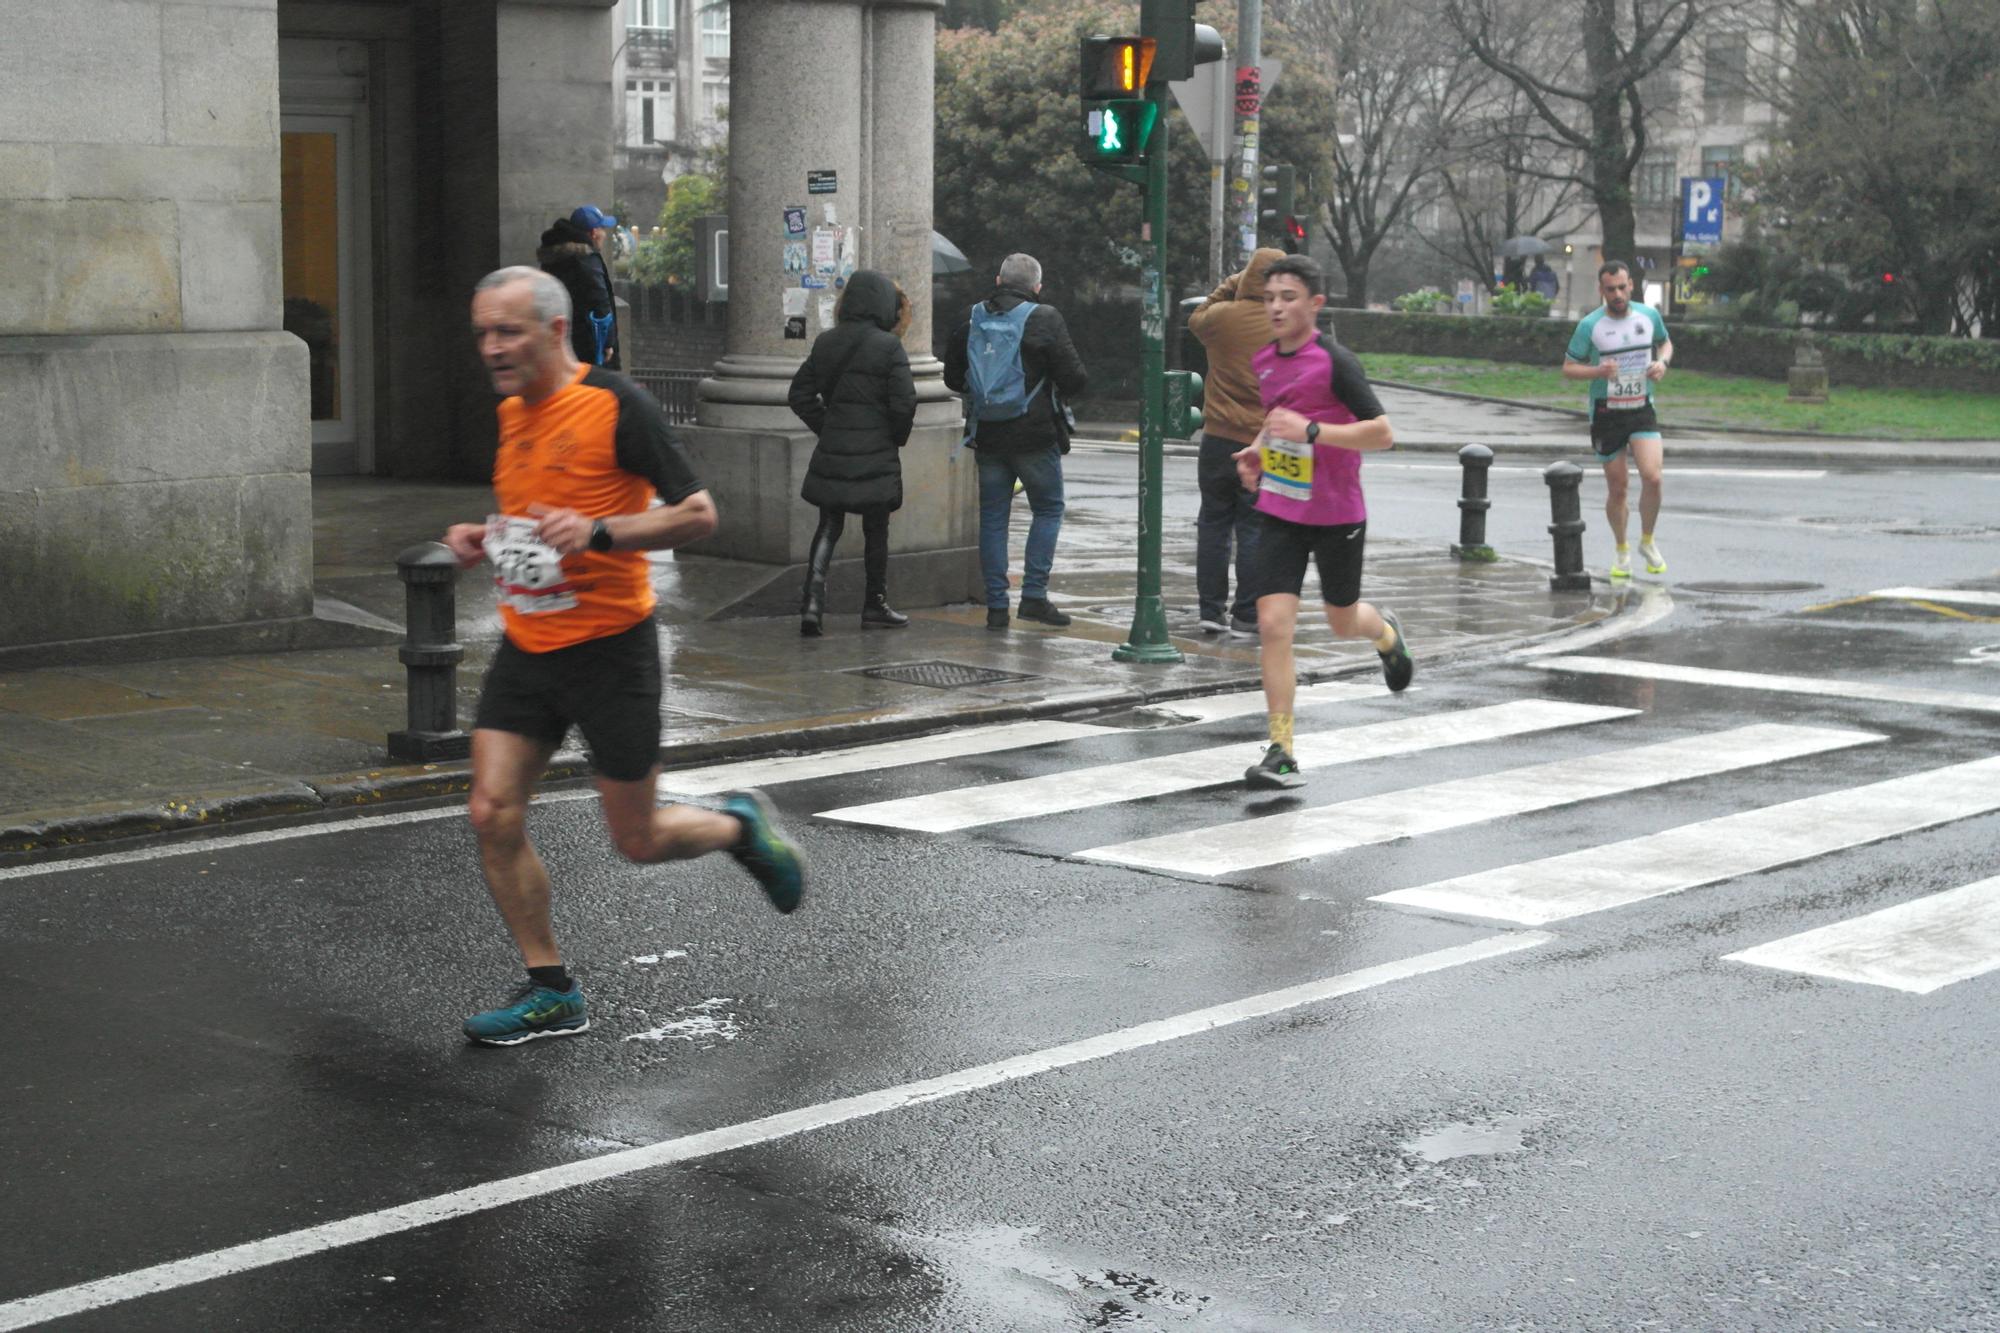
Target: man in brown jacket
x=1232, y=325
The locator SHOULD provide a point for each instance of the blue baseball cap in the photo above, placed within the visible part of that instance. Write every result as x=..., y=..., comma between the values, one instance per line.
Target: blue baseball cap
x=590, y=216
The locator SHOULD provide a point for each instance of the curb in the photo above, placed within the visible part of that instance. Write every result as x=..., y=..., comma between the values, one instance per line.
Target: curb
x=348, y=794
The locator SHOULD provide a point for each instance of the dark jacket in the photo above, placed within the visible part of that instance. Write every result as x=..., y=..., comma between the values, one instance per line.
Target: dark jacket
x=864, y=418
x=1048, y=357
x=567, y=255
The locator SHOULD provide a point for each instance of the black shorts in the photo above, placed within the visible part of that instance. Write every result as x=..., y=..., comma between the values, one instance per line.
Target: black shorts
x=609, y=688
x=1283, y=547
x=1611, y=431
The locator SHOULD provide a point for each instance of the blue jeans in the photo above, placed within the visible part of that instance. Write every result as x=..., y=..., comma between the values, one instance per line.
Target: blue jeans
x=1042, y=479
x=1228, y=513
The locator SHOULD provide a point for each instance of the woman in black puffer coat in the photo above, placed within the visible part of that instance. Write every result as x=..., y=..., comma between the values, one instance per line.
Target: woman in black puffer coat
x=856, y=393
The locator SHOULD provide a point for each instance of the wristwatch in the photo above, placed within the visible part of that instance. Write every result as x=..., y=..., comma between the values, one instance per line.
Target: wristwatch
x=1312, y=432
x=600, y=536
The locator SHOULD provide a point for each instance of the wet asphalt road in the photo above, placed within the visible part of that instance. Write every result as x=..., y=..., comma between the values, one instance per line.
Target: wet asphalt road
x=1615, y=1128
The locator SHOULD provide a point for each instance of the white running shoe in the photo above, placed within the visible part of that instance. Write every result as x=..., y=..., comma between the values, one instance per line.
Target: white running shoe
x=1621, y=563
x=1649, y=551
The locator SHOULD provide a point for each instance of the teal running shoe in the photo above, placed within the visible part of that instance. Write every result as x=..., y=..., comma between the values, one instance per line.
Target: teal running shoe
x=535, y=1011
x=1397, y=667
x=763, y=852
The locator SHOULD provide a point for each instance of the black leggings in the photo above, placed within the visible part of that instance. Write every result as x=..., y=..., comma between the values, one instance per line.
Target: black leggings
x=875, y=551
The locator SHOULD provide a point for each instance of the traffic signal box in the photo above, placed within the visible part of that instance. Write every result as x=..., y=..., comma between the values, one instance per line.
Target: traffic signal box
x=1117, y=117
x=1279, y=203
x=1183, y=404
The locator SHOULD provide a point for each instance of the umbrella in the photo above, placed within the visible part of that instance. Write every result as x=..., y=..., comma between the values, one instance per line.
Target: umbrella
x=947, y=258
x=1520, y=247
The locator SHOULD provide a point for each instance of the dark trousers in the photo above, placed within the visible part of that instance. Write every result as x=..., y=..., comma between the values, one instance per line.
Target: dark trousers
x=874, y=551
x=1228, y=516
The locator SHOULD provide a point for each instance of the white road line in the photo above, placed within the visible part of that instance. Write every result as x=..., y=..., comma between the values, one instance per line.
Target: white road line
x=1950, y=596
x=1241, y=703
x=1757, y=680
x=1595, y=879
x=1917, y=946
x=535, y=1184
x=229, y=842
x=1225, y=849
x=867, y=758
x=1110, y=784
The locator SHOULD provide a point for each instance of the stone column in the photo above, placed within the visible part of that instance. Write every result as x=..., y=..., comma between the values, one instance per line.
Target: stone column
x=839, y=86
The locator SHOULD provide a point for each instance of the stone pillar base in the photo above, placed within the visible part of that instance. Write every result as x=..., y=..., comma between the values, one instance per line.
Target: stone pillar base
x=755, y=476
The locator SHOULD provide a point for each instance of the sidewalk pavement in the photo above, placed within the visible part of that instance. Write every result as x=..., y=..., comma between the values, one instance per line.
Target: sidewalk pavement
x=97, y=751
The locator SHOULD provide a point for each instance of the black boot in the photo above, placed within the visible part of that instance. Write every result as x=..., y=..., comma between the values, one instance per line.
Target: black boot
x=812, y=606
x=876, y=612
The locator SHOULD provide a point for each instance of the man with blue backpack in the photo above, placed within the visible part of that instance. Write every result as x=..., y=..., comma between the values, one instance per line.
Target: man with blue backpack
x=1013, y=360
x=569, y=253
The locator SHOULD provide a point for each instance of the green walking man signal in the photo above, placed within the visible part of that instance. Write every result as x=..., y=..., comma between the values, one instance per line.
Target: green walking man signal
x=1118, y=118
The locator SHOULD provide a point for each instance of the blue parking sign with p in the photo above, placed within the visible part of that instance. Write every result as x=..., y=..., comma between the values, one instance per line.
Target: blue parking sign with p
x=1701, y=210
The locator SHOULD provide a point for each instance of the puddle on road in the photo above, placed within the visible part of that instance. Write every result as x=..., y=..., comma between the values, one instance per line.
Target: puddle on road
x=1475, y=1138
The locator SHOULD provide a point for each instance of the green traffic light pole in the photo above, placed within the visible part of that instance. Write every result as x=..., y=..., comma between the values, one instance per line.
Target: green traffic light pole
x=1148, y=641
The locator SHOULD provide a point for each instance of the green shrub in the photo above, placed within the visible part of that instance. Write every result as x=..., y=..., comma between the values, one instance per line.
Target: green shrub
x=1424, y=300
x=1530, y=304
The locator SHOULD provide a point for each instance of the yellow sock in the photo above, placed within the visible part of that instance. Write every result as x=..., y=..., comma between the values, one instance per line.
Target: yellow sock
x=1387, y=641
x=1623, y=547
x=1281, y=730
x=1645, y=539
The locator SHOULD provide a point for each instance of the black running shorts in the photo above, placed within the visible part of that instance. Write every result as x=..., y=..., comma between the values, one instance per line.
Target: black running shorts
x=608, y=688
x=1283, y=547
x=1611, y=431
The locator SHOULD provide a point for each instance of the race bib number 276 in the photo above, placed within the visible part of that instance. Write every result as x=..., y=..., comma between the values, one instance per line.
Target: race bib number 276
x=528, y=570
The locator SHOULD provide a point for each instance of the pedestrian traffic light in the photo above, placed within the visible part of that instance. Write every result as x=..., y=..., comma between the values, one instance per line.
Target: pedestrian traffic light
x=1183, y=404
x=1295, y=235
x=1117, y=118
x=1278, y=203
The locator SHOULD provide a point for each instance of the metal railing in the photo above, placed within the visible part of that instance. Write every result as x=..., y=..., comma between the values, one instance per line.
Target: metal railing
x=674, y=388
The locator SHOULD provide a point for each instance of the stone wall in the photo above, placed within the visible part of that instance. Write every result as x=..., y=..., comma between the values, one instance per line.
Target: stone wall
x=154, y=438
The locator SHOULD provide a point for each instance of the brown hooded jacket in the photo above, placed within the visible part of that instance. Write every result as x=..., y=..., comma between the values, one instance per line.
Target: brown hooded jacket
x=1232, y=325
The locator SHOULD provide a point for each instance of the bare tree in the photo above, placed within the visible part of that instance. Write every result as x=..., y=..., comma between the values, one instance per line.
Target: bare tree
x=1500, y=180
x=1592, y=101
x=1398, y=88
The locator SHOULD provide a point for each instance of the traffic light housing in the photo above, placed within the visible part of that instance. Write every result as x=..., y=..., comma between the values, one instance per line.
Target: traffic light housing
x=1295, y=235
x=1183, y=43
x=1117, y=118
x=1183, y=404
x=1278, y=197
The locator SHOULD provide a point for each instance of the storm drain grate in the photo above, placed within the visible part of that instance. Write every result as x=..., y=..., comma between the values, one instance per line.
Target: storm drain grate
x=941, y=675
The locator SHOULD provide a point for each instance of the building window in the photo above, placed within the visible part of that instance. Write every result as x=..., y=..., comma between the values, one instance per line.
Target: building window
x=1722, y=161
x=715, y=31
x=649, y=112
x=714, y=99
x=1660, y=92
x=654, y=14
x=1654, y=182
x=1724, y=75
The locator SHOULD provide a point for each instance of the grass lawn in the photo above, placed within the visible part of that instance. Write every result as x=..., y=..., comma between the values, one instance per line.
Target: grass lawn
x=1701, y=398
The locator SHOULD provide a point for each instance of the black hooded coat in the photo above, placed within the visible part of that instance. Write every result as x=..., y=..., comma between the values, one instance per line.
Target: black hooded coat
x=863, y=412
x=567, y=255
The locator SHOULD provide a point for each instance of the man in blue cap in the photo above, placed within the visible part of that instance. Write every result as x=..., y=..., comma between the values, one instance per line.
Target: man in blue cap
x=571, y=252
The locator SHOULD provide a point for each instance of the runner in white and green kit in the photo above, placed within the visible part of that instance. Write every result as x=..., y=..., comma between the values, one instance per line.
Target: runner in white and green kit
x=1623, y=349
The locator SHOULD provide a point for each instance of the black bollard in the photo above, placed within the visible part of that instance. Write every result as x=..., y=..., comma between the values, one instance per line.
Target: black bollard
x=431, y=653
x=1477, y=459
x=1566, y=514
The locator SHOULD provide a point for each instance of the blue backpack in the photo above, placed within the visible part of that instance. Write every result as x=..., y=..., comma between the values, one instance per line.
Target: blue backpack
x=604, y=327
x=995, y=379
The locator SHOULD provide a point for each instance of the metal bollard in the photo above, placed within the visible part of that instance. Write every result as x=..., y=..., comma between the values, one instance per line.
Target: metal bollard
x=1565, y=481
x=1477, y=459
x=431, y=652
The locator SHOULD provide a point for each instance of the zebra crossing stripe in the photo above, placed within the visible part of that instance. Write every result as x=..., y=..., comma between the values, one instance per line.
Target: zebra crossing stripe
x=1916, y=946
x=1242, y=703
x=1595, y=879
x=1949, y=596
x=1756, y=680
x=867, y=758
x=1226, y=849
x=1109, y=784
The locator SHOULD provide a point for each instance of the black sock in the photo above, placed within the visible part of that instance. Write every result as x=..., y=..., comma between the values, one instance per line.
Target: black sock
x=555, y=977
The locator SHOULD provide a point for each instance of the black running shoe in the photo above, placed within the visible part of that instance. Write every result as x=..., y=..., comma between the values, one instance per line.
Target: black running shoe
x=1042, y=611
x=1276, y=771
x=1397, y=668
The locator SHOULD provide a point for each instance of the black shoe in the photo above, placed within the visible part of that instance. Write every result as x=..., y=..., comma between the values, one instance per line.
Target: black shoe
x=996, y=617
x=876, y=613
x=1397, y=668
x=1041, y=610
x=1243, y=627
x=809, y=626
x=1276, y=771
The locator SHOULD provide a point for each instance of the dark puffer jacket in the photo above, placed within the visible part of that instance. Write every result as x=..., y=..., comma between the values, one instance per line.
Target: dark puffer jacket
x=865, y=418
x=567, y=255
